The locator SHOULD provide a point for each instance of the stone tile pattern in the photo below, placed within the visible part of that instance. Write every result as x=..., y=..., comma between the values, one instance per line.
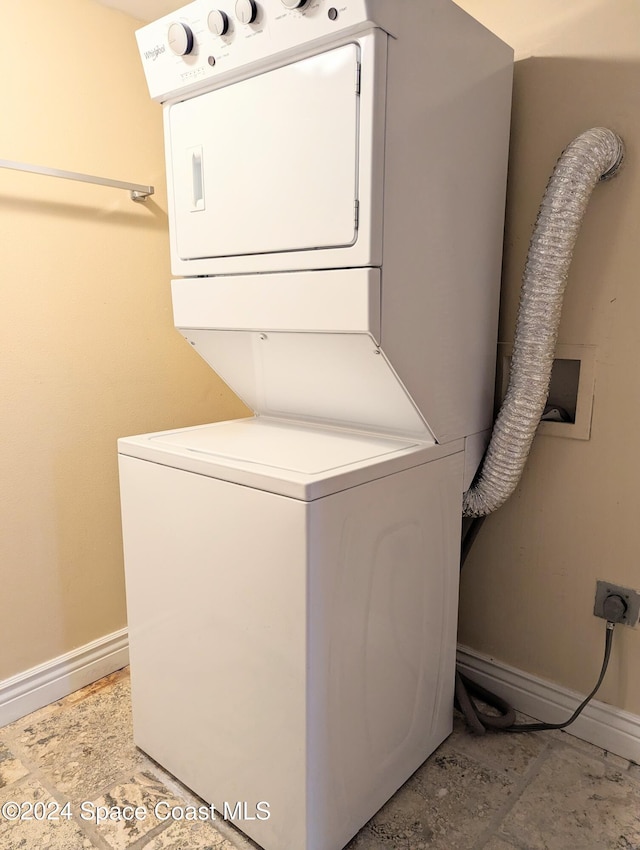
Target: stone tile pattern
x=496, y=792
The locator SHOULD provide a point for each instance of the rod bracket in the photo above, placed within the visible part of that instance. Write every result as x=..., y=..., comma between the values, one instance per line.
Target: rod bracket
x=138, y=196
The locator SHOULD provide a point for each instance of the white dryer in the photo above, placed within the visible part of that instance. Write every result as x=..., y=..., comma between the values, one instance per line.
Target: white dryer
x=336, y=182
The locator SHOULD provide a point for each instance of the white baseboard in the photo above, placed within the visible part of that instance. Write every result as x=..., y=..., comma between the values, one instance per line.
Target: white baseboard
x=611, y=728
x=48, y=682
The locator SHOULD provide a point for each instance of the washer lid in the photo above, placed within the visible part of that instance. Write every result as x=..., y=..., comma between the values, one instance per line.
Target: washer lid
x=286, y=447
x=300, y=461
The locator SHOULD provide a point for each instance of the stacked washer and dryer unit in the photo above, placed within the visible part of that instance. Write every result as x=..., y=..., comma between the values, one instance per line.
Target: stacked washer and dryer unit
x=336, y=182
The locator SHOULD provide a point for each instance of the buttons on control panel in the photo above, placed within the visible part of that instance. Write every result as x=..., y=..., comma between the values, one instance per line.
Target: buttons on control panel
x=218, y=22
x=246, y=11
x=180, y=38
x=211, y=40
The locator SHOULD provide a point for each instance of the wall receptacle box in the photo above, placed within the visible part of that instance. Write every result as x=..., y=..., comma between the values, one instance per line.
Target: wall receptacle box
x=629, y=597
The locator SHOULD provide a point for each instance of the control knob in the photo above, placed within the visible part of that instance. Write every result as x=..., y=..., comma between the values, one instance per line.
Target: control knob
x=294, y=4
x=180, y=39
x=246, y=11
x=218, y=22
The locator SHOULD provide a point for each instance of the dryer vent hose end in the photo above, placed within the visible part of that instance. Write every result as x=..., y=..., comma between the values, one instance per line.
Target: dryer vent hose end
x=594, y=155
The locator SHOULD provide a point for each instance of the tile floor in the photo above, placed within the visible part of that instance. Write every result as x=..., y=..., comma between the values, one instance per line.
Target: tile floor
x=547, y=791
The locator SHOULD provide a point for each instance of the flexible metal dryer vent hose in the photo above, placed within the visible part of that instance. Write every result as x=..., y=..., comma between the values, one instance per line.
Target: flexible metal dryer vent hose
x=594, y=155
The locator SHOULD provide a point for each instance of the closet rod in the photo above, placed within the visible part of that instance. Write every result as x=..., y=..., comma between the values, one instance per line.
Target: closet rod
x=137, y=191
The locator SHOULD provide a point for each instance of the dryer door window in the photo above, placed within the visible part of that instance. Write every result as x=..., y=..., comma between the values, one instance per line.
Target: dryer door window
x=269, y=164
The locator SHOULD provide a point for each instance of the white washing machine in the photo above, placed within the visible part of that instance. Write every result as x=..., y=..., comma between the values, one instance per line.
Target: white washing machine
x=336, y=182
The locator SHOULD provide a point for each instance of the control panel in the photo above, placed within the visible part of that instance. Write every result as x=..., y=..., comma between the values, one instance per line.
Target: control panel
x=215, y=39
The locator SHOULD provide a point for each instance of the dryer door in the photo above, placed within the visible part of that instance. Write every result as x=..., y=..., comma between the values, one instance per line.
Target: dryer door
x=268, y=164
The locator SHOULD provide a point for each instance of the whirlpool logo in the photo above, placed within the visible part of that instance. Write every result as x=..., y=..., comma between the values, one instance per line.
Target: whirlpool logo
x=154, y=52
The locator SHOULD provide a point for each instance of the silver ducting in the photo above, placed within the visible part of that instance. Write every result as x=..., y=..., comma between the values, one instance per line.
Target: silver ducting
x=594, y=155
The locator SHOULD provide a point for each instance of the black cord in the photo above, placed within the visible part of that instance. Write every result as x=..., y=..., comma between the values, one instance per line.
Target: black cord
x=466, y=689
x=470, y=529
x=539, y=727
x=479, y=721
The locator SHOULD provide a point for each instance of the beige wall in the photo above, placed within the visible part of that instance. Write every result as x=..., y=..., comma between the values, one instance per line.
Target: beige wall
x=87, y=348
x=528, y=587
